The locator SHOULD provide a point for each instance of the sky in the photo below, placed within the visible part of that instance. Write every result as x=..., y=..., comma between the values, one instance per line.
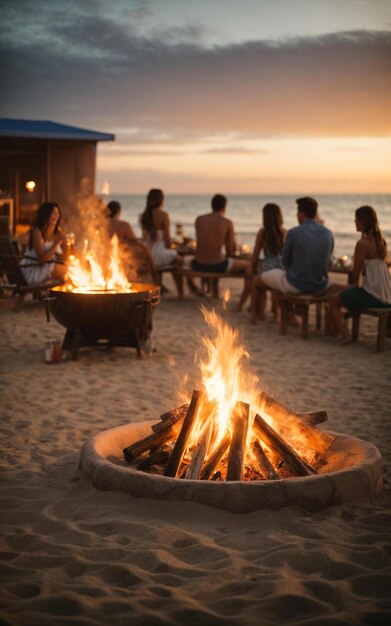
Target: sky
x=206, y=96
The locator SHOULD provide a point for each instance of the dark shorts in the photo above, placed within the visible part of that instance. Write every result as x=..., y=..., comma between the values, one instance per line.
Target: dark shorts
x=217, y=267
x=357, y=298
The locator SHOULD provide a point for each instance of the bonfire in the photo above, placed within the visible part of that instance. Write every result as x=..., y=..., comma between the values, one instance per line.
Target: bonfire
x=230, y=429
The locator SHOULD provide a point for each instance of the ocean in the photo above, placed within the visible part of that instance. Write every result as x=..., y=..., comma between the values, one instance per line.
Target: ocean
x=245, y=211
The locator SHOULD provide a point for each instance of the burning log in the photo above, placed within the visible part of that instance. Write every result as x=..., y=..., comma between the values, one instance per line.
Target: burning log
x=264, y=464
x=281, y=412
x=199, y=453
x=314, y=417
x=181, y=410
x=184, y=436
x=316, y=440
x=238, y=441
x=198, y=456
x=151, y=441
x=160, y=457
x=294, y=461
x=215, y=458
x=171, y=418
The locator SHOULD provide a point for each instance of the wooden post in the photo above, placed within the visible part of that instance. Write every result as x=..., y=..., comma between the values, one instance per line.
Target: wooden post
x=296, y=463
x=237, y=450
x=215, y=458
x=264, y=464
x=184, y=436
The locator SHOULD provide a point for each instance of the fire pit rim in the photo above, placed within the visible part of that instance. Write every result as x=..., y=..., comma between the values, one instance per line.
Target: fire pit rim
x=358, y=483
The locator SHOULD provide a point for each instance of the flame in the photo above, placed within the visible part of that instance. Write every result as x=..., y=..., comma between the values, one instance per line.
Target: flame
x=105, y=187
x=87, y=275
x=226, y=375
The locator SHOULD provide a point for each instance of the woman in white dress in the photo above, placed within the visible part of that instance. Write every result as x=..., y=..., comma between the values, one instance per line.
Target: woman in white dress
x=155, y=224
x=369, y=259
x=39, y=263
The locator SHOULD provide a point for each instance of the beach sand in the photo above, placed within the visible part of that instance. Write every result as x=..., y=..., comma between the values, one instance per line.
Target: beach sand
x=74, y=555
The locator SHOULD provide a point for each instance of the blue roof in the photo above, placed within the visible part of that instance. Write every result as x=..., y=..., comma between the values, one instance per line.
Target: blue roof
x=38, y=129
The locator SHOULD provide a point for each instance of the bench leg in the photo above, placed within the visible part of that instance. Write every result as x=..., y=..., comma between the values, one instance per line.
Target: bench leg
x=318, y=316
x=284, y=306
x=355, y=326
x=304, y=327
x=381, y=333
x=215, y=288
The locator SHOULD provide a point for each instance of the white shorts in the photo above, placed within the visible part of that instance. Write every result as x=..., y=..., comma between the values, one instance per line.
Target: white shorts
x=276, y=279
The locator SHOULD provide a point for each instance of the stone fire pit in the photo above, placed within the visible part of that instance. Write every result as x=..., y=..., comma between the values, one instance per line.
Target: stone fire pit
x=353, y=473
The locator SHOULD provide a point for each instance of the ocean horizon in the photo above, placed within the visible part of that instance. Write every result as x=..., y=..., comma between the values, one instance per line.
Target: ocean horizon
x=245, y=210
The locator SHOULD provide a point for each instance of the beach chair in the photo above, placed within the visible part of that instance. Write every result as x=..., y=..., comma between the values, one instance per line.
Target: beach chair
x=12, y=276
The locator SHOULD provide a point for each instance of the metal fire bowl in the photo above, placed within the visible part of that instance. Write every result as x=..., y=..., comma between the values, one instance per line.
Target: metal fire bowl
x=104, y=314
x=353, y=474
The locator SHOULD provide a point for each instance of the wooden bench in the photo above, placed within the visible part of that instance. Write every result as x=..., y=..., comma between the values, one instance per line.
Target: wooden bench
x=210, y=280
x=299, y=304
x=383, y=326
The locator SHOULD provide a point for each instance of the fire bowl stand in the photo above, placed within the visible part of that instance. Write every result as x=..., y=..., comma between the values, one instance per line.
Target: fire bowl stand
x=74, y=340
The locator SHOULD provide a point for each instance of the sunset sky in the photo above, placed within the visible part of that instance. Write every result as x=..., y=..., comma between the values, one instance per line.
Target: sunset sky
x=256, y=96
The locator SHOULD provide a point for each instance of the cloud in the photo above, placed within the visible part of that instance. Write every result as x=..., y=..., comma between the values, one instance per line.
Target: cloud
x=101, y=74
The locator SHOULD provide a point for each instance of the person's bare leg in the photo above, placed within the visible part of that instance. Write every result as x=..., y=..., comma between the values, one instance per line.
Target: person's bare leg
x=337, y=318
x=257, y=294
x=246, y=290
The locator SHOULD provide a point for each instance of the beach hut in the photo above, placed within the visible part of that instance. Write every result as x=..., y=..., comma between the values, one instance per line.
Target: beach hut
x=40, y=161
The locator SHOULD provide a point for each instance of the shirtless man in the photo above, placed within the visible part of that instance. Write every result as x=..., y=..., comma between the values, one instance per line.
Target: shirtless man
x=214, y=231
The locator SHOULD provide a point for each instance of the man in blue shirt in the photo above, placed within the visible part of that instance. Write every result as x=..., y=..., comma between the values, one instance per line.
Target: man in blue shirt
x=306, y=255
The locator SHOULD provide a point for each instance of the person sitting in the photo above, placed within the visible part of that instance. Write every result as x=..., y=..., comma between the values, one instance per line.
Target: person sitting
x=306, y=255
x=270, y=239
x=116, y=226
x=44, y=258
x=215, y=232
x=369, y=257
x=155, y=225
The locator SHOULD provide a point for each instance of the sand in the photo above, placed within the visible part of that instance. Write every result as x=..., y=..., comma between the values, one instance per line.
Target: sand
x=73, y=555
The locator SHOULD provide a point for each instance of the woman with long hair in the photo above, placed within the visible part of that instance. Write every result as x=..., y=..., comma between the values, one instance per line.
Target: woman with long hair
x=270, y=239
x=369, y=258
x=155, y=225
x=40, y=262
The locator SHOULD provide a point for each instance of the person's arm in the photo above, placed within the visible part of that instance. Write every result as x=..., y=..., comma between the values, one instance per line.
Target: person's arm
x=166, y=230
x=230, y=240
x=38, y=244
x=257, y=249
x=128, y=232
x=360, y=253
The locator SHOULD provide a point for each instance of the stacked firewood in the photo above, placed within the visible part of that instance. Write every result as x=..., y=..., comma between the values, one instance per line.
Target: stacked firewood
x=173, y=450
